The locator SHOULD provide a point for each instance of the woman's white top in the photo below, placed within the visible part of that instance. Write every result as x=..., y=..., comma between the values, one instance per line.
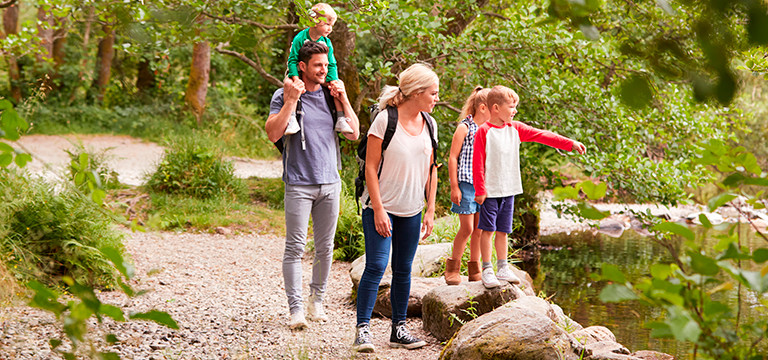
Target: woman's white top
x=405, y=170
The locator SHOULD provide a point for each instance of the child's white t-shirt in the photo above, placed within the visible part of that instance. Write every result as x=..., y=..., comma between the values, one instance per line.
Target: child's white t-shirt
x=405, y=169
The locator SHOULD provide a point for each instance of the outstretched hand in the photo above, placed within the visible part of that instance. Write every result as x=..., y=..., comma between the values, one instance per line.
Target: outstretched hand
x=579, y=148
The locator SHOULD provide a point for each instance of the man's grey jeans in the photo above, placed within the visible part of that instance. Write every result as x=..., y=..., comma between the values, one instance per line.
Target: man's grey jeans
x=322, y=202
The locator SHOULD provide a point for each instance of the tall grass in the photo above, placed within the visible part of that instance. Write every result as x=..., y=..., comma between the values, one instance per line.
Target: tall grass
x=46, y=234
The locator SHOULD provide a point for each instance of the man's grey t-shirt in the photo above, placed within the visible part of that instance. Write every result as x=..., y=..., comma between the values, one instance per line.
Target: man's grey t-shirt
x=320, y=162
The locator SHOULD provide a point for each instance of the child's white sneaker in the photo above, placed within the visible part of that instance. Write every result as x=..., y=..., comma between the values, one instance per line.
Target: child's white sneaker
x=342, y=125
x=293, y=125
x=506, y=274
x=489, y=279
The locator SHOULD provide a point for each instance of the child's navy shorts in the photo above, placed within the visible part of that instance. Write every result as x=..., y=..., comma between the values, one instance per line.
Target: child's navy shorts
x=496, y=214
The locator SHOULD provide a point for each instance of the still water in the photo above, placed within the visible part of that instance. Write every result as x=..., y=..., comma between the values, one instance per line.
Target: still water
x=563, y=272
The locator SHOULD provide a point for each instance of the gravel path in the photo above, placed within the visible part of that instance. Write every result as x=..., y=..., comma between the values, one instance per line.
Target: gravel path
x=227, y=295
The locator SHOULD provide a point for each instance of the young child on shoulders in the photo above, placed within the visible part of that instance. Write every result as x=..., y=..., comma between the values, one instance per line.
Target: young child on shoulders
x=324, y=17
x=496, y=175
x=473, y=114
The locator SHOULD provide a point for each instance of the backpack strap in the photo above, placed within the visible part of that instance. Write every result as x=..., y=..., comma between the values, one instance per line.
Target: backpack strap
x=331, y=103
x=430, y=128
x=388, y=134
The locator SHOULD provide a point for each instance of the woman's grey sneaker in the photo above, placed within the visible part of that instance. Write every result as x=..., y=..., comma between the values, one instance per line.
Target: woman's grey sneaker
x=293, y=125
x=363, y=339
x=342, y=125
x=506, y=274
x=402, y=338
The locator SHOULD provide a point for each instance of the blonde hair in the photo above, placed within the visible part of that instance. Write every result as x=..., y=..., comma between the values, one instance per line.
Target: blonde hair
x=416, y=79
x=500, y=95
x=323, y=10
x=478, y=96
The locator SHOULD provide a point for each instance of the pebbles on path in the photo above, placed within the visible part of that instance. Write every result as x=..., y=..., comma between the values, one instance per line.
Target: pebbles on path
x=227, y=295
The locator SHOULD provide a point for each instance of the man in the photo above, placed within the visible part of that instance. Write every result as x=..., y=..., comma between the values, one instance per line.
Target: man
x=311, y=164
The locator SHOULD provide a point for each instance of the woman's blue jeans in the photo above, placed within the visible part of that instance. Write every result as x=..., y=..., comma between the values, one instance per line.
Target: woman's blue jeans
x=404, y=241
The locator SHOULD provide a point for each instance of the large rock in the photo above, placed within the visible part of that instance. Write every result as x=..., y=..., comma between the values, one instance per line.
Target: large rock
x=523, y=329
x=427, y=262
x=652, y=355
x=419, y=288
x=446, y=307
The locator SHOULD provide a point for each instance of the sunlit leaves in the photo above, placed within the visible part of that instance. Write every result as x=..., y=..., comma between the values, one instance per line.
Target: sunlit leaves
x=674, y=228
x=636, y=92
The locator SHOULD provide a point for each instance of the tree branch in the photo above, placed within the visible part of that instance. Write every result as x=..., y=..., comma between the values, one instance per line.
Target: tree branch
x=448, y=106
x=236, y=20
x=7, y=3
x=469, y=51
x=254, y=64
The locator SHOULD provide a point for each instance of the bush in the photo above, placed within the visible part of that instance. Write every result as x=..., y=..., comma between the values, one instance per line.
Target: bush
x=95, y=163
x=196, y=169
x=349, y=243
x=45, y=235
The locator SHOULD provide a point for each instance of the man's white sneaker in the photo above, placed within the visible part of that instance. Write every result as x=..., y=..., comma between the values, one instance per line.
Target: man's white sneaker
x=315, y=311
x=489, y=279
x=506, y=274
x=293, y=125
x=298, y=321
x=342, y=125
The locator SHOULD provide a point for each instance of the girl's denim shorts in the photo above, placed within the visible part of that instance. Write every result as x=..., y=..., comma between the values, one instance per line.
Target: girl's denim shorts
x=468, y=204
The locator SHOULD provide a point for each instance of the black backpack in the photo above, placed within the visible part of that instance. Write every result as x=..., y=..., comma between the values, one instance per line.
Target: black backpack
x=388, y=133
x=280, y=143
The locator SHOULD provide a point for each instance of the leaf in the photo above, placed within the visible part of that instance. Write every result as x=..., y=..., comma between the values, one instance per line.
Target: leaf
x=112, y=311
x=109, y=356
x=616, y=293
x=593, y=191
x=5, y=159
x=674, y=228
x=111, y=339
x=682, y=326
x=590, y=212
x=661, y=271
x=124, y=267
x=21, y=160
x=98, y=196
x=760, y=255
x=54, y=343
x=719, y=200
x=705, y=221
x=703, y=264
x=636, y=92
x=6, y=148
x=612, y=272
x=159, y=317
x=563, y=193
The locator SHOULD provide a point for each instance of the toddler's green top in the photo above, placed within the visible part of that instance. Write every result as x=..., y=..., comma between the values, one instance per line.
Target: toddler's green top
x=293, y=58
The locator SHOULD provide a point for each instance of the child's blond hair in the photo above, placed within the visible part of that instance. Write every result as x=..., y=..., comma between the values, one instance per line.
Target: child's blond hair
x=478, y=96
x=323, y=11
x=500, y=95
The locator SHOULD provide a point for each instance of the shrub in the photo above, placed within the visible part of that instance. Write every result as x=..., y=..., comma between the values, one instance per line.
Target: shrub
x=349, y=243
x=84, y=160
x=196, y=169
x=45, y=234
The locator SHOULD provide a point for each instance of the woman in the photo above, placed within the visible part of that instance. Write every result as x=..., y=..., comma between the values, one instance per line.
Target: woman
x=394, y=199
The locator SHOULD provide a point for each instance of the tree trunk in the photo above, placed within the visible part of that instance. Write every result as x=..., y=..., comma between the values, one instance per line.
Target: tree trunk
x=45, y=33
x=104, y=62
x=343, y=49
x=59, y=40
x=197, y=87
x=145, y=78
x=11, y=26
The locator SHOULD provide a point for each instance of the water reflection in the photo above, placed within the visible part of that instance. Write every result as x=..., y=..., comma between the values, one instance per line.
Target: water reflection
x=563, y=272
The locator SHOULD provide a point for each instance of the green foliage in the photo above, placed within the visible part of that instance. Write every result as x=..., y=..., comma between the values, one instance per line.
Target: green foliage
x=12, y=126
x=192, y=167
x=179, y=212
x=46, y=234
x=349, y=242
x=76, y=311
x=694, y=289
x=89, y=171
x=268, y=191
